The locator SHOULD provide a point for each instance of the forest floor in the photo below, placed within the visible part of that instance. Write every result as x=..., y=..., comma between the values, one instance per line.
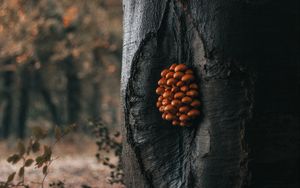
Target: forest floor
x=76, y=165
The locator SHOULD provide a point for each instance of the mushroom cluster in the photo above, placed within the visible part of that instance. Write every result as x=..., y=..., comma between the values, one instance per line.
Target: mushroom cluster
x=178, y=95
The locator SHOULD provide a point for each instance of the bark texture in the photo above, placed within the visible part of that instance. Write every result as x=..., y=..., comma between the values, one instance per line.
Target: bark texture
x=246, y=57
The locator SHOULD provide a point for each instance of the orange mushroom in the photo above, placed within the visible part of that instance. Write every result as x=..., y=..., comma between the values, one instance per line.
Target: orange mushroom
x=178, y=95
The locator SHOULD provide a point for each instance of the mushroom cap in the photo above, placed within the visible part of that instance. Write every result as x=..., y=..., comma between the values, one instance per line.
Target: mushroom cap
x=178, y=93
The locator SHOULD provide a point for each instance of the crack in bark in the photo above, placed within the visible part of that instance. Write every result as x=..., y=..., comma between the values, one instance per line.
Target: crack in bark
x=128, y=103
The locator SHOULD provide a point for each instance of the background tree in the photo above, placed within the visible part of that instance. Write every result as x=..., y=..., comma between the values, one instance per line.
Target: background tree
x=53, y=61
x=246, y=55
x=60, y=65
x=8, y=77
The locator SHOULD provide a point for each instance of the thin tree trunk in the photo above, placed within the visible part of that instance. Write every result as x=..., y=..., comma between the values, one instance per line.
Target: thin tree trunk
x=73, y=90
x=95, y=103
x=8, y=78
x=25, y=78
x=47, y=97
x=96, y=96
x=246, y=57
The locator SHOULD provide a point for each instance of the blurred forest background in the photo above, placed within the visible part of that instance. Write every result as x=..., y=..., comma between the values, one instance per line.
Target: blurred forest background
x=60, y=64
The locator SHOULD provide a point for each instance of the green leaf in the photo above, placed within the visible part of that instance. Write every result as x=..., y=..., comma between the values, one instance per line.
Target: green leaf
x=10, y=177
x=47, y=153
x=39, y=161
x=21, y=171
x=14, y=158
x=21, y=148
x=10, y=159
x=28, y=162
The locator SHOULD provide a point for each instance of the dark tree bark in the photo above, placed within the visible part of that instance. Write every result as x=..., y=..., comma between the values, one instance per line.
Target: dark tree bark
x=95, y=102
x=25, y=78
x=73, y=90
x=246, y=55
x=8, y=80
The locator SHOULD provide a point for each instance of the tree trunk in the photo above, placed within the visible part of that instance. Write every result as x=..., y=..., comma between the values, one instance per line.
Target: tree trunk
x=96, y=98
x=25, y=78
x=8, y=77
x=246, y=55
x=45, y=93
x=73, y=90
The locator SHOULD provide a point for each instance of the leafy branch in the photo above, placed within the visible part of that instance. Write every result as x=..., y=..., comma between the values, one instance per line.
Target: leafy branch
x=25, y=153
x=107, y=143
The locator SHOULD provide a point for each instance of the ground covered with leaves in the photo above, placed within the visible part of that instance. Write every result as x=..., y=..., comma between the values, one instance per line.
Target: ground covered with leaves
x=75, y=164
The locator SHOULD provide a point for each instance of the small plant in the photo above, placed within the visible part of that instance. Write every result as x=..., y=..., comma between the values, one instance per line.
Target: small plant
x=108, y=143
x=33, y=153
